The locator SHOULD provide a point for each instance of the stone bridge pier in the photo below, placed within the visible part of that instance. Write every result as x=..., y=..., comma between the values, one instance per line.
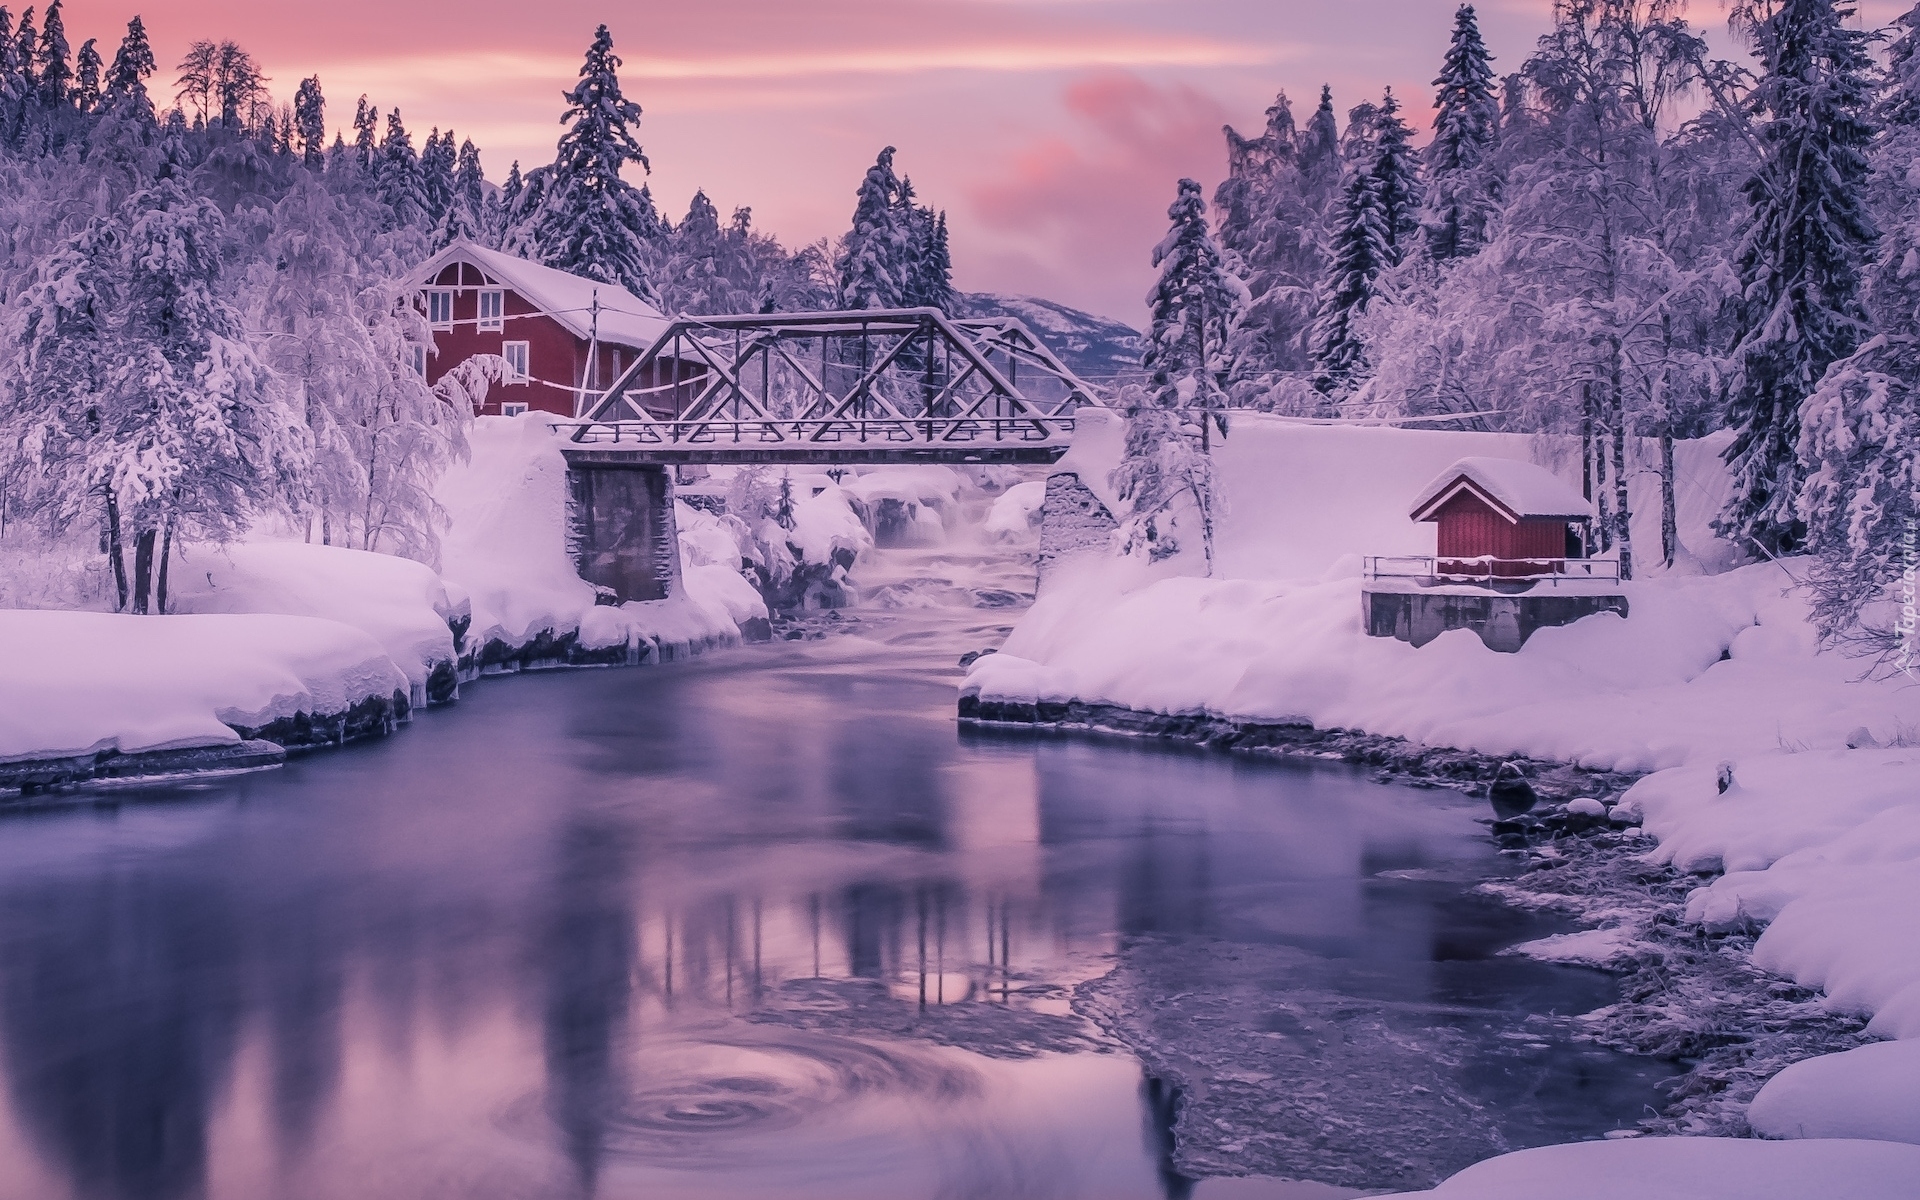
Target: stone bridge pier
x=620, y=526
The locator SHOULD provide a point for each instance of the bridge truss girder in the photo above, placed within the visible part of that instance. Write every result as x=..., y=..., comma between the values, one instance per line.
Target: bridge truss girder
x=813, y=373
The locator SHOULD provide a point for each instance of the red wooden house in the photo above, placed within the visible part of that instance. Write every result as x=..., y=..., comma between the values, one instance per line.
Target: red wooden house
x=564, y=337
x=1503, y=517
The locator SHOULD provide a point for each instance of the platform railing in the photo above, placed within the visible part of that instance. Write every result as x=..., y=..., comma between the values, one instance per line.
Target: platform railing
x=1489, y=572
x=801, y=433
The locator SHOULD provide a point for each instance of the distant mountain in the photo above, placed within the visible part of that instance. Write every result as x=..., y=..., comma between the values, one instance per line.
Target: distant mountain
x=1095, y=348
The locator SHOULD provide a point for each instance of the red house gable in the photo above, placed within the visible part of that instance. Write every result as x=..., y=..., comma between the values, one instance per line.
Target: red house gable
x=562, y=335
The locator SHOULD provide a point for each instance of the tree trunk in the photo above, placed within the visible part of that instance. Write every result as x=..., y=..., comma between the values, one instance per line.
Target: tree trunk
x=1669, y=509
x=1623, y=531
x=143, y=569
x=160, y=585
x=1586, y=441
x=1669, y=518
x=114, y=554
x=1603, y=522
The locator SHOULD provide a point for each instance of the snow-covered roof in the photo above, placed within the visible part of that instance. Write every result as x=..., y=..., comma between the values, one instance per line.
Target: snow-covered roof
x=625, y=319
x=1516, y=489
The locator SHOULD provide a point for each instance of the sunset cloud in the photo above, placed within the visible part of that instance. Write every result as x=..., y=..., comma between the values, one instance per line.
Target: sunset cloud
x=1077, y=212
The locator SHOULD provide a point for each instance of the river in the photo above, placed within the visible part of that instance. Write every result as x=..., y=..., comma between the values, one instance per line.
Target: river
x=769, y=924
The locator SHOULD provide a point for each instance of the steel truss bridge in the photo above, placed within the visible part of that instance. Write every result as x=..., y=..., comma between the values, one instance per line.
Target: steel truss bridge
x=878, y=386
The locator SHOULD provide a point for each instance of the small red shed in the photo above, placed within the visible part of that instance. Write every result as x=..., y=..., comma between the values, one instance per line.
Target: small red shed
x=563, y=336
x=1516, y=518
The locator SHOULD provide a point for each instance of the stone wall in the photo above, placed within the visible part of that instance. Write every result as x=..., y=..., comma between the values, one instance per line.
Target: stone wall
x=1504, y=622
x=622, y=532
x=1073, y=521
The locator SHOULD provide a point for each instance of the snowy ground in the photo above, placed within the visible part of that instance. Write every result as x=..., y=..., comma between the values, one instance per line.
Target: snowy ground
x=1716, y=664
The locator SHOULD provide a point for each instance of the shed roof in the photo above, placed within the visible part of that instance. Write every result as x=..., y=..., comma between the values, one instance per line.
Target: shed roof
x=624, y=320
x=1517, y=490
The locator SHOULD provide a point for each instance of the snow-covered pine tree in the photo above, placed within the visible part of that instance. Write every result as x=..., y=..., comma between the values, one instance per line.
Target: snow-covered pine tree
x=694, y=282
x=1465, y=126
x=55, y=59
x=496, y=220
x=438, y=159
x=1194, y=303
x=1273, y=225
x=126, y=83
x=1807, y=238
x=86, y=76
x=1859, y=444
x=875, y=256
x=1357, y=255
x=1396, y=171
x=366, y=135
x=466, y=208
x=933, y=276
x=310, y=122
x=1320, y=151
x=591, y=221
x=26, y=83
x=397, y=178
x=13, y=89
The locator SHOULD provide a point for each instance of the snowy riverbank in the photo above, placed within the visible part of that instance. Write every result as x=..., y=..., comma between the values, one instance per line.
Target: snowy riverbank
x=315, y=644
x=1716, y=668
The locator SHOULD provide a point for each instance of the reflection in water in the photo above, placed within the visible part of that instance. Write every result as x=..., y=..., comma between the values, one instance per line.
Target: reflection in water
x=763, y=926
x=588, y=958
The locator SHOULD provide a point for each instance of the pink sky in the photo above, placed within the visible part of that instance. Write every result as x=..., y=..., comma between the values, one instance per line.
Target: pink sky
x=1051, y=131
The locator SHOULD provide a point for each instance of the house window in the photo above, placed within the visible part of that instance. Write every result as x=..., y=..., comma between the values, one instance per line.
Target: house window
x=493, y=304
x=417, y=357
x=440, y=308
x=512, y=410
x=516, y=355
x=616, y=362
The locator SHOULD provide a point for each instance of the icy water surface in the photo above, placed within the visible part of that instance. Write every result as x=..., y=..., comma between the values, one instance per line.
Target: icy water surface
x=769, y=925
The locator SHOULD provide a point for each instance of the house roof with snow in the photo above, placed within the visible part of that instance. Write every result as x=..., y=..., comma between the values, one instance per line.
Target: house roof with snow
x=624, y=319
x=1516, y=490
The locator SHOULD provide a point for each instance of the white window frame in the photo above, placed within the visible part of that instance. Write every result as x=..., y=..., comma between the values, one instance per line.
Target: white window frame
x=436, y=296
x=497, y=321
x=417, y=353
x=512, y=410
x=517, y=372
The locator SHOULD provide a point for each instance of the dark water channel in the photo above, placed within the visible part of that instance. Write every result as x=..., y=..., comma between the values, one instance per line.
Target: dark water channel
x=767, y=925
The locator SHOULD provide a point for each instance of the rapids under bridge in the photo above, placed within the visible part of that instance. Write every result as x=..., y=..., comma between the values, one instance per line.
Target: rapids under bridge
x=822, y=389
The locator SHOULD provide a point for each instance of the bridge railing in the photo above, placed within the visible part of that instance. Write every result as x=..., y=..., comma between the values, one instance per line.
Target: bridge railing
x=800, y=433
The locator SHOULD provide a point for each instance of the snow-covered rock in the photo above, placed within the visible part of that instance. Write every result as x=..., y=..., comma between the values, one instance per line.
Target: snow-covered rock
x=1869, y=1092
x=906, y=505
x=1696, y=1168
x=74, y=683
x=401, y=603
x=1015, y=515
